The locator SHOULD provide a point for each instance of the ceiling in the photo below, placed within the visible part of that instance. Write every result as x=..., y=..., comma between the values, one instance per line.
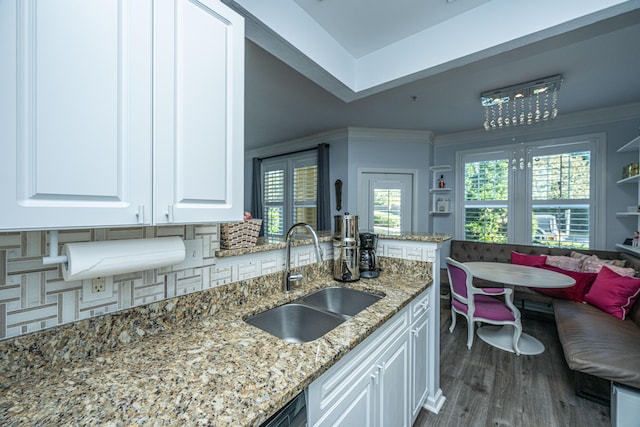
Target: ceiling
x=296, y=90
x=362, y=26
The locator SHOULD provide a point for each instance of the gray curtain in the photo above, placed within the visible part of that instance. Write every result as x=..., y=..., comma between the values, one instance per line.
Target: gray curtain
x=256, y=193
x=324, y=194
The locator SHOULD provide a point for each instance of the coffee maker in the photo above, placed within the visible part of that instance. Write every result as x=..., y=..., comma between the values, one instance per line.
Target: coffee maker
x=368, y=264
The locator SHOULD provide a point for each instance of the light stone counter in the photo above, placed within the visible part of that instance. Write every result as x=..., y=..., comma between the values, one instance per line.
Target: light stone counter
x=191, y=360
x=271, y=243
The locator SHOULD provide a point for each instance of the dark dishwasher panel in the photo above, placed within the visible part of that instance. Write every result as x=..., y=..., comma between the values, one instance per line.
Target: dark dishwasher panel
x=294, y=414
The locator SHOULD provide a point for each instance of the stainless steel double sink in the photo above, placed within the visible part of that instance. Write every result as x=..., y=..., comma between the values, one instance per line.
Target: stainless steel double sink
x=313, y=315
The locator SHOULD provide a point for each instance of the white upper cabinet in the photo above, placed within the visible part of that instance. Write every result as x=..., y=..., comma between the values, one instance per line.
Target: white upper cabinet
x=198, y=112
x=75, y=113
x=120, y=113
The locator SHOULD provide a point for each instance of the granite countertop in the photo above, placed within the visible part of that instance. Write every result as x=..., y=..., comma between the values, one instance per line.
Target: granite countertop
x=418, y=237
x=216, y=370
x=272, y=243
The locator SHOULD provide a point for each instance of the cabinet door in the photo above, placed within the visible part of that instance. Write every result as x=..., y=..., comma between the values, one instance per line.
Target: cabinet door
x=198, y=112
x=355, y=407
x=419, y=360
x=75, y=113
x=393, y=389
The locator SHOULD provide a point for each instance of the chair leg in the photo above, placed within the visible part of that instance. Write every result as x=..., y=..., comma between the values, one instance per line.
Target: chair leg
x=470, y=333
x=453, y=321
x=517, y=331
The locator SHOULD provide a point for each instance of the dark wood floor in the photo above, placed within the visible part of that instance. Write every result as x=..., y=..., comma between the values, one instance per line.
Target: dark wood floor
x=485, y=386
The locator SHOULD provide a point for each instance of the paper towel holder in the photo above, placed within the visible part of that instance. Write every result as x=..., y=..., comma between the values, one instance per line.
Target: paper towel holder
x=53, y=257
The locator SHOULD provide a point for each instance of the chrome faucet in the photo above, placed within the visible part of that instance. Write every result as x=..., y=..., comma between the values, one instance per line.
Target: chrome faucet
x=288, y=277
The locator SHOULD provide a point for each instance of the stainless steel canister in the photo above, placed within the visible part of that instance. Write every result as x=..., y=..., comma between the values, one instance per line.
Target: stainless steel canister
x=346, y=227
x=346, y=248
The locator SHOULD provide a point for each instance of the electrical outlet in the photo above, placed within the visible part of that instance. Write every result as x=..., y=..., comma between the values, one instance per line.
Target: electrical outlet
x=100, y=288
x=97, y=285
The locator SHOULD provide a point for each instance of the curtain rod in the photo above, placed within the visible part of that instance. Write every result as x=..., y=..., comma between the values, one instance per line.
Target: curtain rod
x=290, y=153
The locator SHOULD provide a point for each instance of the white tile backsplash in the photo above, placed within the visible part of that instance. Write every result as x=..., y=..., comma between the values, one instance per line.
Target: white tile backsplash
x=33, y=296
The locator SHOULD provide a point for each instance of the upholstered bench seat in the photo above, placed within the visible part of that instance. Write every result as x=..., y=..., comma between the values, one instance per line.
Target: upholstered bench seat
x=597, y=343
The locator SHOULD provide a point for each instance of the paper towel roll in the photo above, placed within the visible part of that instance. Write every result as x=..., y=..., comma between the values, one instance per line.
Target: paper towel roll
x=87, y=260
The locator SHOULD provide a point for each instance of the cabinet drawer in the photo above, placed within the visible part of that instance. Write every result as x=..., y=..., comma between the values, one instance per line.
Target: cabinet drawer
x=420, y=305
x=327, y=389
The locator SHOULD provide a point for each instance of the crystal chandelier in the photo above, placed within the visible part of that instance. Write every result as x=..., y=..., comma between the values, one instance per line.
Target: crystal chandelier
x=521, y=104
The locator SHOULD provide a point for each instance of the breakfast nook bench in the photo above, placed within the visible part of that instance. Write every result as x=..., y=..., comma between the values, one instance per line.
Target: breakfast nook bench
x=598, y=319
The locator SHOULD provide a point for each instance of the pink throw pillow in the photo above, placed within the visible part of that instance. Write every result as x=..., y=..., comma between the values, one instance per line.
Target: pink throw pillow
x=564, y=262
x=613, y=293
x=528, y=260
x=573, y=293
x=593, y=264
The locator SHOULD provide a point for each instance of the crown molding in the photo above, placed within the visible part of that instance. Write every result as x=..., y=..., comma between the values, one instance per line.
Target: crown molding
x=332, y=136
x=347, y=134
x=389, y=135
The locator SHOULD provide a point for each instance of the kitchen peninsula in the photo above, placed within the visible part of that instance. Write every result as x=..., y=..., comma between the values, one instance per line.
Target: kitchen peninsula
x=193, y=360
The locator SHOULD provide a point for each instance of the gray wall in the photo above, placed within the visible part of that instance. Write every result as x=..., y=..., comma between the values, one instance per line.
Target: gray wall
x=390, y=154
x=356, y=148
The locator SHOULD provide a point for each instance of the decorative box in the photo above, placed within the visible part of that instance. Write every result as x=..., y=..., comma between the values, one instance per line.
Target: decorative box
x=630, y=170
x=237, y=235
x=442, y=205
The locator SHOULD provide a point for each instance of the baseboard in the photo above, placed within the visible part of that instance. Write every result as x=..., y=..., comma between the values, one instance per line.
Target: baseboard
x=434, y=402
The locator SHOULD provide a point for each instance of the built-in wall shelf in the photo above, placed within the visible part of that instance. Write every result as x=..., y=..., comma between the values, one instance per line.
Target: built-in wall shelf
x=440, y=205
x=441, y=168
x=632, y=145
x=631, y=214
x=628, y=248
x=631, y=179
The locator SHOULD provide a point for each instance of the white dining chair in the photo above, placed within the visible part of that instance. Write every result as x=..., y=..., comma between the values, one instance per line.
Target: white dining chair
x=480, y=304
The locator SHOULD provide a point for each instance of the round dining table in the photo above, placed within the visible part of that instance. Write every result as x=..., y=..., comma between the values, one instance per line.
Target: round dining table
x=515, y=275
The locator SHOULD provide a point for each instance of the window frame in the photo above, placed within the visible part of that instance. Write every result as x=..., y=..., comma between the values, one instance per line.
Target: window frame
x=287, y=163
x=519, y=203
x=365, y=177
x=462, y=203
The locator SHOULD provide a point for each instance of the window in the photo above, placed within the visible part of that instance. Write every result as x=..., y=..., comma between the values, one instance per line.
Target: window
x=534, y=193
x=387, y=215
x=560, y=199
x=385, y=201
x=486, y=198
x=290, y=193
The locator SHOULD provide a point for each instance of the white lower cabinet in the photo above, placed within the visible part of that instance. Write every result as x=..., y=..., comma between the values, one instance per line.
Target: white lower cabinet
x=354, y=408
x=419, y=354
x=391, y=376
x=373, y=385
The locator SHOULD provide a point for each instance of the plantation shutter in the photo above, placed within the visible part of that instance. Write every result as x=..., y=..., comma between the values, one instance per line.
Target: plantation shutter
x=290, y=192
x=305, y=191
x=541, y=193
x=486, y=199
x=274, y=198
x=560, y=196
